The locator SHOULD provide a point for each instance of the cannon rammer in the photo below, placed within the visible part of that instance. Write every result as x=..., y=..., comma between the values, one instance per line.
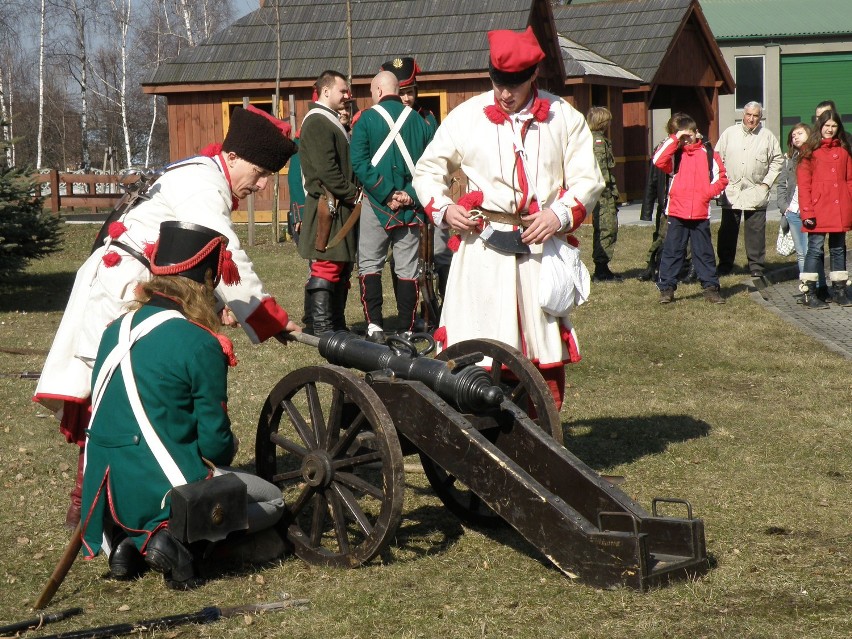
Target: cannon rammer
x=490, y=442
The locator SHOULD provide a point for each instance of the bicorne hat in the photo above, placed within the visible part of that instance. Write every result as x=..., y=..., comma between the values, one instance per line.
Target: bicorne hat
x=190, y=250
x=259, y=138
x=405, y=70
x=514, y=56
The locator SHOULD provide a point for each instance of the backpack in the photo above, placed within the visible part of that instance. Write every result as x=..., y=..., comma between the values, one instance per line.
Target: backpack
x=708, y=147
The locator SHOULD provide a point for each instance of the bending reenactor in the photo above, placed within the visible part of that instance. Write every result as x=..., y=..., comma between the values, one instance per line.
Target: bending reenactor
x=388, y=141
x=160, y=417
x=202, y=190
x=330, y=196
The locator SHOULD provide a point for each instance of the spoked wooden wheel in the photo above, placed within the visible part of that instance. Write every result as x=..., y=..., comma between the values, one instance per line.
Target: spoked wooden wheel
x=327, y=441
x=525, y=387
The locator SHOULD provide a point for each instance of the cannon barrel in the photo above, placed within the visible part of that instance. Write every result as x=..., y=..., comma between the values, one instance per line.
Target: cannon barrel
x=468, y=386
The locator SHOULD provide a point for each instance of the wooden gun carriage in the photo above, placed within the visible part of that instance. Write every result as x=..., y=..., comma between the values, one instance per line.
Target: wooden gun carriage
x=490, y=442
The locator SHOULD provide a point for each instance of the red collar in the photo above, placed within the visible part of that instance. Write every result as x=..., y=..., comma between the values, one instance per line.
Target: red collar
x=540, y=108
x=215, y=150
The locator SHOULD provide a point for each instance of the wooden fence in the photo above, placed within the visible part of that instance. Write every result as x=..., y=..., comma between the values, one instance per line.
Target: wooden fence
x=79, y=190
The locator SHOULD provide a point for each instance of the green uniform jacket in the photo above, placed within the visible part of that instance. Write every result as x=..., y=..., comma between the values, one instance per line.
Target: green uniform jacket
x=181, y=375
x=392, y=173
x=603, y=154
x=294, y=185
x=324, y=149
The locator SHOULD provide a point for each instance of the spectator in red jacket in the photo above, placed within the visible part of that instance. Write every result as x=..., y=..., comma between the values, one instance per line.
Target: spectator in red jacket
x=698, y=176
x=824, y=176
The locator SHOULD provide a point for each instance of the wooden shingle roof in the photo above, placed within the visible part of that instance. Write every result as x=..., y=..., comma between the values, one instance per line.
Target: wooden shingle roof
x=634, y=34
x=444, y=35
x=580, y=62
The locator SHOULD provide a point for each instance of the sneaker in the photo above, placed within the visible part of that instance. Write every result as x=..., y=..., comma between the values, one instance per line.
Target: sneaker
x=666, y=295
x=711, y=294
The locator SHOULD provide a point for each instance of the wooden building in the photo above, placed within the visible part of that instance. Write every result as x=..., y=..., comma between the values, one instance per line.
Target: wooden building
x=448, y=39
x=669, y=46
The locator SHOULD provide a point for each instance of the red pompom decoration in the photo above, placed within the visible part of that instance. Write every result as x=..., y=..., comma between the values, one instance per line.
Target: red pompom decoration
x=148, y=249
x=440, y=335
x=116, y=230
x=227, y=348
x=211, y=150
x=454, y=242
x=472, y=200
x=229, y=270
x=111, y=259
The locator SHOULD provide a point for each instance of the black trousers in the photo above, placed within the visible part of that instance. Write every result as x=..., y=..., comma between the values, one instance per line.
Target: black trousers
x=755, y=239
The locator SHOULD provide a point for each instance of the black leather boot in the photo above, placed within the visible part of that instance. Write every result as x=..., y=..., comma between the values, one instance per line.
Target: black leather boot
x=372, y=299
x=72, y=517
x=320, y=291
x=810, y=298
x=168, y=556
x=406, y=303
x=125, y=560
x=338, y=306
x=307, y=318
x=648, y=274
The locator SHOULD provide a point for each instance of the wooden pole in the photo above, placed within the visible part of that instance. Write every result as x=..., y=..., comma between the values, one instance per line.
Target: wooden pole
x=250, y=200
x=61, y=570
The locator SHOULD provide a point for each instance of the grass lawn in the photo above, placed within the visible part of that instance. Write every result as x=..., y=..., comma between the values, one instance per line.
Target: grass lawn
x=726, y=406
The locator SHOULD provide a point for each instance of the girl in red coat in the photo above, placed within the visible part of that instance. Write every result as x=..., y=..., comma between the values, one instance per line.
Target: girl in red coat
x=824, y=176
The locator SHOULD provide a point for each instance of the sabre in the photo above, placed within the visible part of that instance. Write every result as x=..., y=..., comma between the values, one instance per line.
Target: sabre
x=38, y=622
x=205, y=615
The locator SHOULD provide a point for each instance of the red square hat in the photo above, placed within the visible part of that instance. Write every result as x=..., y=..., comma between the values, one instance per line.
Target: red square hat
x=514, y=56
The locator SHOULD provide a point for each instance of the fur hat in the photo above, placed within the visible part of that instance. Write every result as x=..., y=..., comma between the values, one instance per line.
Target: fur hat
x=259, y=138
x=405, y=70
x=514, y=56
x=190, y=250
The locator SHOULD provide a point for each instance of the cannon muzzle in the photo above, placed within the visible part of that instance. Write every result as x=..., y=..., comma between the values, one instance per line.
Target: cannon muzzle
x=458, y=381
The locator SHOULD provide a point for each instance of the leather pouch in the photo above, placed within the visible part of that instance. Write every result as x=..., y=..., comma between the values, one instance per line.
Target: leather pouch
x=209, y=509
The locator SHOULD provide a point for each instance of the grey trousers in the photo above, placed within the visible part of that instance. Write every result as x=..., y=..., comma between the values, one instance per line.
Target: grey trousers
x=265, y=502
x=374, y=241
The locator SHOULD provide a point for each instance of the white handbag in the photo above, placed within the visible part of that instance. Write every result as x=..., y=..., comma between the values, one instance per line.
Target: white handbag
x=784, y=244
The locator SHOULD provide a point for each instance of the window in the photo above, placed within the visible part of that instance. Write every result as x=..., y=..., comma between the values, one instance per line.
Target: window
x=749, y=80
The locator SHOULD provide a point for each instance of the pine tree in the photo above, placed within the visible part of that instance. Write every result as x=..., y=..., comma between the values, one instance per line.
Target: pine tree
x=27, y=232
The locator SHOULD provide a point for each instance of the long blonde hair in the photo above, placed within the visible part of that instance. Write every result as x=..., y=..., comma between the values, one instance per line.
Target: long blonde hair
x=196, y=299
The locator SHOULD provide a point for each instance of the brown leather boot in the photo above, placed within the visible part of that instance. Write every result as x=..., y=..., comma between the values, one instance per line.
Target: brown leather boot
x=72, y=517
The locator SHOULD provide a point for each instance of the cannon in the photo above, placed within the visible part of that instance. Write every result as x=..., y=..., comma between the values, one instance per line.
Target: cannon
x=490, y=442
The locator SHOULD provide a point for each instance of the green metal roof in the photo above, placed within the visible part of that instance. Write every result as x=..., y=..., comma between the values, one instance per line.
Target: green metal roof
x=745, y=19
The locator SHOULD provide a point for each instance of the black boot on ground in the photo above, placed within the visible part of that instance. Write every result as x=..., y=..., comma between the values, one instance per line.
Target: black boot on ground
x=808, y=286
x=603, y=274
x=372, y=298
x=338, y=305
x=839, y=288
x=320, y=291
x=125, y=560
x=407, y=294
x=168, y=556
x=649, y=273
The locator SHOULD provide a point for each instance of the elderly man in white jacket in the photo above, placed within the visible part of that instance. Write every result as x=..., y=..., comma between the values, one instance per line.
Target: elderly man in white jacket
x=753, y=159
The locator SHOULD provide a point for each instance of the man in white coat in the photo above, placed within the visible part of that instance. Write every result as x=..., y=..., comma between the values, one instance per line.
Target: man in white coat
x=530, y=163
x=202, y=190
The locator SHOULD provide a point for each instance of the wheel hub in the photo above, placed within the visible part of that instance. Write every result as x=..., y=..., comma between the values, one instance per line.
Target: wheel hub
x=317, y=470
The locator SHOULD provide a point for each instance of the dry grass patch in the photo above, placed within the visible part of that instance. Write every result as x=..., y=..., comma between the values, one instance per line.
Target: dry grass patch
x=726, y=406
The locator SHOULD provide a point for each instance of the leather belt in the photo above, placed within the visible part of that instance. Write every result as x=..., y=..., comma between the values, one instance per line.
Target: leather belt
x=132, y=252
x=502, y=218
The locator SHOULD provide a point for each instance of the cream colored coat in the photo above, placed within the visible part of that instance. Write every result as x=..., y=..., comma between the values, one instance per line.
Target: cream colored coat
x=491, y=294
